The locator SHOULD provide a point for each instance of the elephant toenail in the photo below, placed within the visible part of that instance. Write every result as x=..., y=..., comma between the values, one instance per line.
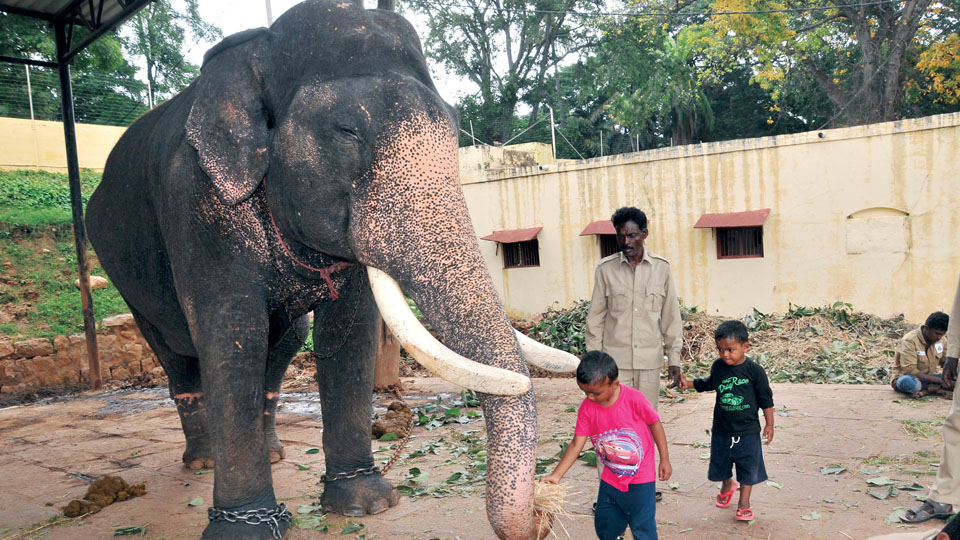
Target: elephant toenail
x=354, y=511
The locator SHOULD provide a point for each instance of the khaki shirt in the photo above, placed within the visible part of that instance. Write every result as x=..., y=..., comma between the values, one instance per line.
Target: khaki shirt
x=953, y=332
x=915, y=355
x=634, y=313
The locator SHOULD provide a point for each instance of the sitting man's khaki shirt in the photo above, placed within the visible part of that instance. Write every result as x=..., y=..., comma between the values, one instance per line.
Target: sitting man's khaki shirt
x=915, y=355
x=634, y=313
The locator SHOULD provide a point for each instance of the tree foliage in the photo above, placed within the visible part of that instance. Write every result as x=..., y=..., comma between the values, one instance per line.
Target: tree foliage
x=859, y=55
x=507, y=48
x=159, y=33
x=104, y=88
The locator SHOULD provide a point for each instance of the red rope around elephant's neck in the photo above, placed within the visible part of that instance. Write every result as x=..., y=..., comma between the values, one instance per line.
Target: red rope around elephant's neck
x=324, y=272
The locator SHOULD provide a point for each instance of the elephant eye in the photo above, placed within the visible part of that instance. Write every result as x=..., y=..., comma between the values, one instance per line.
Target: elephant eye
x=350, y=132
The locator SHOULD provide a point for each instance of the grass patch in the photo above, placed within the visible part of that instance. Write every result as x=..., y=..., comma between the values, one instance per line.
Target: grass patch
x=921, y=428
x=38, y=259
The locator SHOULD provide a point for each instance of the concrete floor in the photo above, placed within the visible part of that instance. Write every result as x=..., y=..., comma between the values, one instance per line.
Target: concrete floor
x=49, y=450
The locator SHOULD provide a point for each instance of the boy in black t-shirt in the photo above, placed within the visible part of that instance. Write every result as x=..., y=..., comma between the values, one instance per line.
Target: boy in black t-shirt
x=742, y=389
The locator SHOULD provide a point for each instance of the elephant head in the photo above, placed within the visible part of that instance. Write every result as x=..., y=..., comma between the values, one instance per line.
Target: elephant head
x=332, y=110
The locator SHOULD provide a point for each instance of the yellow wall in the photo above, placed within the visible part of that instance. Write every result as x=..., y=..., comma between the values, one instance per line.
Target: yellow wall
x=868, y=215
x=29, y=145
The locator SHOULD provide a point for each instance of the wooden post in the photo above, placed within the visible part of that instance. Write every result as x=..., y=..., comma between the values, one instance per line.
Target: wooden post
x=387, y=371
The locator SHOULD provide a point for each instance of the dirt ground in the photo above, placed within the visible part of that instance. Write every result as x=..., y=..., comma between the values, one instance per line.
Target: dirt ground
x=51, y=451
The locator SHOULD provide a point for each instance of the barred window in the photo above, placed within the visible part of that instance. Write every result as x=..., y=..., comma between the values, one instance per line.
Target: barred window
x=739, y=242
x=608, y=245
x=520, y=254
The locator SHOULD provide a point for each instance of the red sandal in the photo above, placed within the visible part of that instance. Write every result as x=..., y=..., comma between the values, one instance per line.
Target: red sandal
x=724, y=498
x=745, y=514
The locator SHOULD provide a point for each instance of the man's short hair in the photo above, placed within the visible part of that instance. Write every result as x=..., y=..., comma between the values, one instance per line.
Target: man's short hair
x=735, y=330
x=629, y=213
x=597, y=366
x=938, y=320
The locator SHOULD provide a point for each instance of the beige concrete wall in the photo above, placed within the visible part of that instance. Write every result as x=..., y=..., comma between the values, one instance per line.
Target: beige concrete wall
x=868, y=215
x=25, y=144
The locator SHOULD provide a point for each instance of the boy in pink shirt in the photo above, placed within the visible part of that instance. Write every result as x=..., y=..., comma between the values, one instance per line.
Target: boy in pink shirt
x=623, y=427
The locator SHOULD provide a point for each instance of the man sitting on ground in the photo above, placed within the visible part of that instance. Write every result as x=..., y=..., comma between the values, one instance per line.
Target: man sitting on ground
x=919, y=356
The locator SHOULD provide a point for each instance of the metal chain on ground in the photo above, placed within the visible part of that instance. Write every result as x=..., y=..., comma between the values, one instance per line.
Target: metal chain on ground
x=396, y=453
x=254, y=517
x=373, y=469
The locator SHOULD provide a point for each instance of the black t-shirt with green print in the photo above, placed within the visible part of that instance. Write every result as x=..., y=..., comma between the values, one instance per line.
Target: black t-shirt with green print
x=742, y=392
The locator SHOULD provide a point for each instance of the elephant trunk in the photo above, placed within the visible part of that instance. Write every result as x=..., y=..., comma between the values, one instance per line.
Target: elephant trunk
x=436, y=260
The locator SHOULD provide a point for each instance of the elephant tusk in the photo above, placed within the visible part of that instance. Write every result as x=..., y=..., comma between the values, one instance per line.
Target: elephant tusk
x=432, y=354
x=544, y=357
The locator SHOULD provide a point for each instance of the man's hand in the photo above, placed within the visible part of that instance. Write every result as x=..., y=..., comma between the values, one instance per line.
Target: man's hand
x=674, y=373
x=950, y=372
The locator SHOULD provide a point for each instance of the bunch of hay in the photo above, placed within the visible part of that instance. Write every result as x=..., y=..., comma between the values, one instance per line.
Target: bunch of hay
x=548, y=501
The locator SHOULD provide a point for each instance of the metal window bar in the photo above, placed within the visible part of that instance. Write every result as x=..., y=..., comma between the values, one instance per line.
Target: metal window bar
x=608, y=245
x=739, y=242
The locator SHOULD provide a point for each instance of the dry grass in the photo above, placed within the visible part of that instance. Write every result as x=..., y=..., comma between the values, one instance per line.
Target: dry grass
x=548, y=501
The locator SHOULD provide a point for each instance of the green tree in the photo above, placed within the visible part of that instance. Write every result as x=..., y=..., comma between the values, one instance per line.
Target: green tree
x=858, y=55
x=507, y=48
x=159, y=32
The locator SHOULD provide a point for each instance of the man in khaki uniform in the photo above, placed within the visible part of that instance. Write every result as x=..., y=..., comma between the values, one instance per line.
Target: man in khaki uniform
x=634, y=313
x=919, y=356
x=946, y=490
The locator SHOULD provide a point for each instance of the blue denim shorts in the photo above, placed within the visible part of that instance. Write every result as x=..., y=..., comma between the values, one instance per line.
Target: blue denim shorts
x=744, y=451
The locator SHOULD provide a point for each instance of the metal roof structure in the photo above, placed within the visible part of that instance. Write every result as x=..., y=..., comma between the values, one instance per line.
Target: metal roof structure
x=603, y=226
x=513, y=235
x=750, y=218
x=98, y=17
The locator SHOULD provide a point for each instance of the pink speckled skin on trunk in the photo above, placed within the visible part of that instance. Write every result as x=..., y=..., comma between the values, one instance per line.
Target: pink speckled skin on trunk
x=302, y=154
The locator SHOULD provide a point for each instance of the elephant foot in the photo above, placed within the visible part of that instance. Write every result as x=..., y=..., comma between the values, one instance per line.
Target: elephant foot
x=197, y=456
x=224, y=530
x=276, y=449
x=355, y=497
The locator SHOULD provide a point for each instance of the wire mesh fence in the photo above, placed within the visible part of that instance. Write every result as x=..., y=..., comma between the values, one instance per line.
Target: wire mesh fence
x=34, y=92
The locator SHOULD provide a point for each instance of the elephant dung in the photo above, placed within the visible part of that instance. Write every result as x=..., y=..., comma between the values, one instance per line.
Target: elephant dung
x=103, y=492
x=396, y=421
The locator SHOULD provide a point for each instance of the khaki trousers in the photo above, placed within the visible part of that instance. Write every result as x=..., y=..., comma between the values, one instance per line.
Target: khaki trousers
x=644, y=380
x=946, y=489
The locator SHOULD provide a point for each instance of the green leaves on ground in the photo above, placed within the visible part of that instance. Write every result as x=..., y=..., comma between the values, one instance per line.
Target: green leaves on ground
x=196, y=502
x=814, y=515
x=140, y=530
x=833, y=469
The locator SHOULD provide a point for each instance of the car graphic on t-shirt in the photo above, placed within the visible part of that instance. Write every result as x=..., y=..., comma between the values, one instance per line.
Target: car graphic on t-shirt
x=620, y=450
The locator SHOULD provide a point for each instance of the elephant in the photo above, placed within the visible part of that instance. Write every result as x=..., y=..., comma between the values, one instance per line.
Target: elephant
x=311, y=166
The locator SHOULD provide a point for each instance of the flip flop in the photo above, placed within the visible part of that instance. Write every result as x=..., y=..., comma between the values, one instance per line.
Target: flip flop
x=724, y=498
x=745, y=514
x=928, y=510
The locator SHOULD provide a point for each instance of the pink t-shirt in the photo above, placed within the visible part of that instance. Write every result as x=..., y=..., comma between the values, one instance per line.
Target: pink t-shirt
x=621, y=437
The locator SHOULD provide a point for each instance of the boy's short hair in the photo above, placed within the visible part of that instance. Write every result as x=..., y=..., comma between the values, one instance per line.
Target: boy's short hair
x=735, y=330
x=938, y=320
x=629, y=213
x=597, y=366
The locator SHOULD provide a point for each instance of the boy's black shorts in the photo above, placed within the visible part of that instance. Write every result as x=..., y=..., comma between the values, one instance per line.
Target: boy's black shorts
x=743, y=450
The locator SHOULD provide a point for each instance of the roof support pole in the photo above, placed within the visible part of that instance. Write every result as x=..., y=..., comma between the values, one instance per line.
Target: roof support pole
x=76, y=202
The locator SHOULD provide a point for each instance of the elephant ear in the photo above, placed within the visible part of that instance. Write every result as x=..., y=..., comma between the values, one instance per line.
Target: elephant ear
x=229, y=120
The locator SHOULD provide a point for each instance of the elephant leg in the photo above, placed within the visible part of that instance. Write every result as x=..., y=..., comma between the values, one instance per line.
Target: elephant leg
x=278, y=360
x=233, y=351
x=345, y=338
x=186, y=391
